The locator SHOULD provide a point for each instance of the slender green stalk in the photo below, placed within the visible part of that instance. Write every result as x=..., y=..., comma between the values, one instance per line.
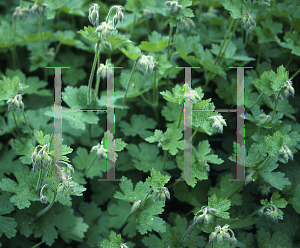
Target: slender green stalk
x=146, y=101
x=261, y=94
x=38, y=244
x=259, y=55
x=222, y=45
x=187, y=231
x=41, y=33
x=170, y=37
x=14, y=44
x=13, y=112
x=132, y=27
x=295, y=74
x=40, y=179
x=86, y=171
x=135, y=63
x=174, y=43
x=237, y=190
x=97, y=88
x=294, y=187
x=267, y=159
x=92, y=73
x=154, y=88
x=165, y=159
x=275, y=107
x=48, y=207
x=173, y=184
x=26, y=123
x=142, y=203
x=289, y=62
x=181, y=112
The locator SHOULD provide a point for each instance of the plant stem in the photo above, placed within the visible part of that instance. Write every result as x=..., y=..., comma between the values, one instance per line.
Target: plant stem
x=267, y=159
x=142, y=203
x=294, y=187
x=165, y=159
x=174, y=43
x=86, y=171
x=40, y=179
x=133, y=24
x=26, y=123
x=295, y=74
x=48, y=207
x=170, y=37
x=14, y=44
x=218, y=56
x=188, y=230
x=13, y=112
x=38, y=244
x=154, y=88
x=135, y=63
x=180, y=116
x=259, y=55
x=92, y=74
x=173, y=184
x=237, y=190
x=41, y=33
x=275, y=107
x=261, y=94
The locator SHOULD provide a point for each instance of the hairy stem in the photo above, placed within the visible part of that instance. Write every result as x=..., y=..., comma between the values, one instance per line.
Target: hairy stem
x=275, y=108
x=87, y=169
x=187, y=231
x=92, y=73
x=48, y=207
x=267, y=159
x=135, y=63
x=26, y=123
x=13, y=113
x=261, y=94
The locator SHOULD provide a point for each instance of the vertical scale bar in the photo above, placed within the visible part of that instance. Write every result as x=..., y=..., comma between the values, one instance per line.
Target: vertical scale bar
x=110, y=176
x=57, y=116
x=188, y=168
x=240, y=132
x=188, y=158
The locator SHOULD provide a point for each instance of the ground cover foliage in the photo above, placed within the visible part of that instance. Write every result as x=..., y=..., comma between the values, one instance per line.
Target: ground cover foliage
x=55, y=199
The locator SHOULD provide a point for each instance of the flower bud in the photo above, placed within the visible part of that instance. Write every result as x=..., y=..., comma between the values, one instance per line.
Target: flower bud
x=135, y=206
x=66, y=193
x=220, y=239
x=225, y=235
x=16, y=103
x=212, y=236
x=208, y=218
x=233, y=241
x=10, y=101
x=198, y=219
x=60, y=189
x=38, y=159
x=44, y=199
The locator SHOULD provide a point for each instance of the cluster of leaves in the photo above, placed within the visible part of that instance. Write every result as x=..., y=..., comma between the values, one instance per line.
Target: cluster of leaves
x=150, y=203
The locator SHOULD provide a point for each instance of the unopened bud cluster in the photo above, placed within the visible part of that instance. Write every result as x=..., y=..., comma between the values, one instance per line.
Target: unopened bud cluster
x=101, y=152
x=161, y=195
x=40, y=157
x=193, y=95
x=118, y=17
x=40, y=7
x=147, y=63
x=67, y=184
x=222, y=234
x=288, y=88
x=186, y=22
x=94, y=13
x=248, y=22
x=136, y=205
x=20, y=13
x=219, y=122
x=286, y=153
x=15, y=102
x=102, y=70
x=205, y=215
x=264, y=119
x=105, y=29
x=270, y=211
x=173, y=6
